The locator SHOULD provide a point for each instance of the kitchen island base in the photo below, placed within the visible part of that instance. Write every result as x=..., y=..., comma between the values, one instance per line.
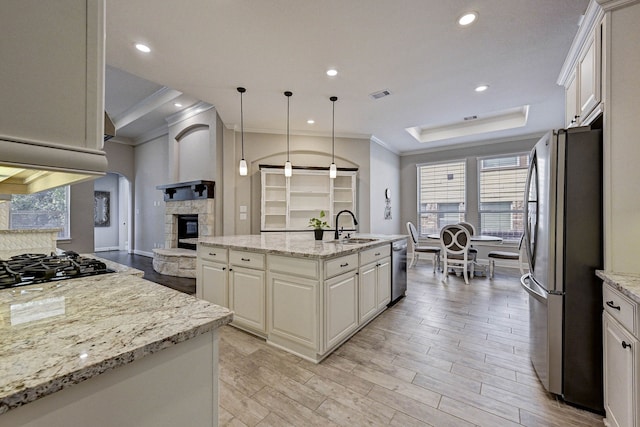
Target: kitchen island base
x=302, y=296
x=172, y=387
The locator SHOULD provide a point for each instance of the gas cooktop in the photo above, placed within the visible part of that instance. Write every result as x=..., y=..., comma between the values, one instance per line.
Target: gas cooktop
x=28, y=269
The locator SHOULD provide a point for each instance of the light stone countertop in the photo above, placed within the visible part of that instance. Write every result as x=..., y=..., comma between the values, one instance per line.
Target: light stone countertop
x=61, y=333
x=627, y=284
x=297, y=244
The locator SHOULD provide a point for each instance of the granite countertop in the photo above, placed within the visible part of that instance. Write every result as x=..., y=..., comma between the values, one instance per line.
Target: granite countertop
x=61, y=333
x=118, y=268
x=297, y=244
x=627, y=284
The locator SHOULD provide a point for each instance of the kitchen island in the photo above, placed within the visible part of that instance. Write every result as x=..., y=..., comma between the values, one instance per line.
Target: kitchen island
x=106, y=350
x=301, y=295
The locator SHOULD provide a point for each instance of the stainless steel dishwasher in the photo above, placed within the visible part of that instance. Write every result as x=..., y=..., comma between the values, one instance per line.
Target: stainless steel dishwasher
x=398, y=269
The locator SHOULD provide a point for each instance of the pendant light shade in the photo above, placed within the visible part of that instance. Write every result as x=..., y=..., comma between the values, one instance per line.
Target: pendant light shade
x=243, y=163
x=333, y=170
x=288, y=169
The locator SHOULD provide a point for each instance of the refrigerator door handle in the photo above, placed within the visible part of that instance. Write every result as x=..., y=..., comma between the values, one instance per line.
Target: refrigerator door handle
x=524, y=282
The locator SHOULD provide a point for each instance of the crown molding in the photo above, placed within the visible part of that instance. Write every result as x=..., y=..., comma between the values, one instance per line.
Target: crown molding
x=187, y=113
x=145, y=106
x=608, y=5
x=151, y=135
x=384, y=145
x=591, y=19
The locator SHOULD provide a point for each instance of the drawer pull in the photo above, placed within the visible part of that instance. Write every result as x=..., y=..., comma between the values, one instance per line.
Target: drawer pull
x=245, y=259
x=377, y=254
x=615, y=307
x=625, y=345
x=344, y=265
x=212, y=253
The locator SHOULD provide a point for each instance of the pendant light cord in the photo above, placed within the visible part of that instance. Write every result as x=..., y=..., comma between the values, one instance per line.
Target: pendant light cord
x=288, y=95
x=242, y=91
x=333, y=128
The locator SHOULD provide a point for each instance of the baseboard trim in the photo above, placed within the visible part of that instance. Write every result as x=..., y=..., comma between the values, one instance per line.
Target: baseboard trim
x=143, y=253
x=107, y=249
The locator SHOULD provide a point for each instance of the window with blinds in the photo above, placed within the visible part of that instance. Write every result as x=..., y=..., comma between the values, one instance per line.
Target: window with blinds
x=501, y=182
x=441, y=195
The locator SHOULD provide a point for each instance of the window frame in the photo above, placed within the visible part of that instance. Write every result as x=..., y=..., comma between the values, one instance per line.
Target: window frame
x=65, y=234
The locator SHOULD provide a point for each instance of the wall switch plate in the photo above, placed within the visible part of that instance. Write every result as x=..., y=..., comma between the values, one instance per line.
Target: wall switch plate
x=243, y=208
x=243, y=217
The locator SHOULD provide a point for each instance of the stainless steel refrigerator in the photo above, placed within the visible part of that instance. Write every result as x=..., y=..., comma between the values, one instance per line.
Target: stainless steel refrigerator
x=563, y=239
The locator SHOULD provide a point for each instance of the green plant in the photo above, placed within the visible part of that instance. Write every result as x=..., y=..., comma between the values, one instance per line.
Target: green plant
x=319, y=223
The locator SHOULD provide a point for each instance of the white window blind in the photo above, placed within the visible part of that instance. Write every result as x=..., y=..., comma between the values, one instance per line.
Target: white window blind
x=441, y=195
x=502, y=182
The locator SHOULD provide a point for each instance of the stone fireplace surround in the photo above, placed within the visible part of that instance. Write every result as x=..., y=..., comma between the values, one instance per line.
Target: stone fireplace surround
x=189, y=199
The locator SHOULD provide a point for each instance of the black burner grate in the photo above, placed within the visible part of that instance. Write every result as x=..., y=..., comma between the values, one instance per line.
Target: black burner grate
x=27, y=269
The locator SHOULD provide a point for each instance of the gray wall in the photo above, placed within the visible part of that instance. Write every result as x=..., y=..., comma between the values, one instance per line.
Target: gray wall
x=120, y=158
x=385, y=173
x=107, y=238
x=270, y=149
x=151, y=165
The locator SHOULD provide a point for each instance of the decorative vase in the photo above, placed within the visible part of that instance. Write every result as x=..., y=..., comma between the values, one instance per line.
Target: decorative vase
x=319, y=233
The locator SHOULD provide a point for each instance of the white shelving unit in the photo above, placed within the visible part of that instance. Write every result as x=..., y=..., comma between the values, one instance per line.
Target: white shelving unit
x=288, y=203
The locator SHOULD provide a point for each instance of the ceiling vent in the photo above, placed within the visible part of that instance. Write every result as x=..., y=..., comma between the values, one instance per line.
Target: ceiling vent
x=380, y=94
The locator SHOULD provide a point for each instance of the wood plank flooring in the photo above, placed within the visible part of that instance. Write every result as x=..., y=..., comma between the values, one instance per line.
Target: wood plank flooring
x=446, y=355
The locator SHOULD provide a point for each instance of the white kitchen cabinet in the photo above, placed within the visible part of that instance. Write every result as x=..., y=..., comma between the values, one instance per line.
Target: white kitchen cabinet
x=53, y=70
x=247, y=290
x=621, y=359
x=289, y=203
x=212, y=275
x=384, y=283
x=341, y=308
x=584, y=85
x=293, y=301
x=368, y=286
x=375, y=282
x=214, y=285
x=620, y=374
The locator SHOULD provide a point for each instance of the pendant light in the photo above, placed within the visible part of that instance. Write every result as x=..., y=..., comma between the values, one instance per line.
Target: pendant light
x=333, y=171
x=243, y=162
x=287, y=165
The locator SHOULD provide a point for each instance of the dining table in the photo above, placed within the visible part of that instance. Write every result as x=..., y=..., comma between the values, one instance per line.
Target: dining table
x=476, y=238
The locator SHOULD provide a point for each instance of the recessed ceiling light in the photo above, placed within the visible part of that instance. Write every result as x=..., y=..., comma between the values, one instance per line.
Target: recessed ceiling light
x=468, y=18
x=482, y=88
x=143, y=48
x=177, y=104
x=332, y=72
x=311, y=121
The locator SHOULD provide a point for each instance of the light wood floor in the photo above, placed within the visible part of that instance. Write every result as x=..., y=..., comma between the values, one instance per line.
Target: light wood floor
x=446, y=355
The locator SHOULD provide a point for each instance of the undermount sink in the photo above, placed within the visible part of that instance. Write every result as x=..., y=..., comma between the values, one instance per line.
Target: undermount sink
x=356, y=240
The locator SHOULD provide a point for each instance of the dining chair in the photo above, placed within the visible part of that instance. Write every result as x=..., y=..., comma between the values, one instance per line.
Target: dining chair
x=473, y=252
x=455, y=241
x=422, y=249
x=505, y=255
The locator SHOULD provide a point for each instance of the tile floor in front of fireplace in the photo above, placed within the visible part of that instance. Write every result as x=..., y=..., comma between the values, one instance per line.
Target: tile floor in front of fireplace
x=446, y=355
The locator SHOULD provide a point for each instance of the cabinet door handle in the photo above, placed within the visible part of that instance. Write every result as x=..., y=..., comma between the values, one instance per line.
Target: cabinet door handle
x=615, y=307
x=245, y=259
x=224, y=268
x=344, y=265
x=625, y=345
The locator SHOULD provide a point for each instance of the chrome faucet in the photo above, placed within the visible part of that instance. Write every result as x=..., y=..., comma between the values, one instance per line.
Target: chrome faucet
x=355, y=222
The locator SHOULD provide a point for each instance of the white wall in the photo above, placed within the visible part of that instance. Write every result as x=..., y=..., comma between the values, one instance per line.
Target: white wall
x=107, y=238
x=385, y=173
x=622, y=141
